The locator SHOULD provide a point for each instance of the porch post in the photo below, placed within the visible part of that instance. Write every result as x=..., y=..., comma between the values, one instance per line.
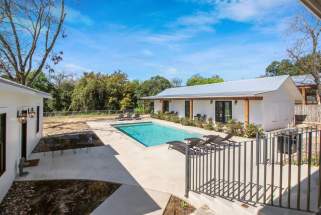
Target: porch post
x=162, y=104
x=191, y=109
x=303, y=95
x=246, y=110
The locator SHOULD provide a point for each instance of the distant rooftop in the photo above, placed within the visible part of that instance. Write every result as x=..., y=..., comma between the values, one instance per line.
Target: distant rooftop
x=303, y=80
x=24, y=88
x=240, y=88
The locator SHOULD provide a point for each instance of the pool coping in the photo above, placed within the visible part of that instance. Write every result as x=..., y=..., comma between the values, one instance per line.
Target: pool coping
x=192, y=129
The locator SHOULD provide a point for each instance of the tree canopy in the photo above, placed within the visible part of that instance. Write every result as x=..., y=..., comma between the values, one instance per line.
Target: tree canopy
x=199, y=80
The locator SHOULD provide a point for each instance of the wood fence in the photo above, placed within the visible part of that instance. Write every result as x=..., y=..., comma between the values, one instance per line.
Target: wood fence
x=308, y=113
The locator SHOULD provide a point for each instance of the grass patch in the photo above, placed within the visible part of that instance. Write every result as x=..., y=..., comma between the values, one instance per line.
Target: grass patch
x=56, y=197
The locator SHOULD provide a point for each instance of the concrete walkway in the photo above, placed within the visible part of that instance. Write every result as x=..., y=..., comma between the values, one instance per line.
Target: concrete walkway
x=149, y=174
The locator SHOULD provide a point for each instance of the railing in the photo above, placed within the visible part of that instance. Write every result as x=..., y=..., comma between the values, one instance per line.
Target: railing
x=280, y=169
x=308, y=113
x=89, y=112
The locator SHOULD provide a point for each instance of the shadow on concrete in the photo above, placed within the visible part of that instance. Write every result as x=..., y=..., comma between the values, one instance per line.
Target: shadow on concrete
x=96, y=163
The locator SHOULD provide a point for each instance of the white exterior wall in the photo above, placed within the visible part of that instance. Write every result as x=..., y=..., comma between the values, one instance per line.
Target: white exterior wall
x=157, y=106
x=177, y=106
x=10, y=103
x=204, y=107
x=278, y=109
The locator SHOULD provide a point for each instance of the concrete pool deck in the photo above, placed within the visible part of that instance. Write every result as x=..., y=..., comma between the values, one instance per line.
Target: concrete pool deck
x=149, y=174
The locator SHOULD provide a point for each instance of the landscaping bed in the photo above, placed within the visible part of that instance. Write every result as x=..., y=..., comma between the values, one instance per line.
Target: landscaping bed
x=68, y=141
x=176, y=206
x=55, y=197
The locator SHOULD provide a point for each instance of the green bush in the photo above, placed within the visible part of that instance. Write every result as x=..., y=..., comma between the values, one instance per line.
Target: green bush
x=235, y=128
x=252, y=130
x=219, y=127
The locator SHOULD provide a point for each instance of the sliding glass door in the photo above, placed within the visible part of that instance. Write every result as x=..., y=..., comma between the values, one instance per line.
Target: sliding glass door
x=223, y=111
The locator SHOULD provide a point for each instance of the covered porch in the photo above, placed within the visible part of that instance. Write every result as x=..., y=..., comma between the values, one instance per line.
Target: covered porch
x=219, y=109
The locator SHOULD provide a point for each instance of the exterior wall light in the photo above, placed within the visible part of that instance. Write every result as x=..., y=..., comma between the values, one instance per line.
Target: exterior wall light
x=22, y=116
x=31, y=113
x=211, y=102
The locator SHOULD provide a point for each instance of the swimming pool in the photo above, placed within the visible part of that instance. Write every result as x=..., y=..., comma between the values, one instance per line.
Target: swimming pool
x=153, y=134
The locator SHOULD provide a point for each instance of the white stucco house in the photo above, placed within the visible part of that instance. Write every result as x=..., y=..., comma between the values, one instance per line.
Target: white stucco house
x=268, y=102
x=21, y=117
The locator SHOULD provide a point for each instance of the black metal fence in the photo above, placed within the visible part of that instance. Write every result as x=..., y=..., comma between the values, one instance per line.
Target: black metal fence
x=89, y=112
x=280, y=169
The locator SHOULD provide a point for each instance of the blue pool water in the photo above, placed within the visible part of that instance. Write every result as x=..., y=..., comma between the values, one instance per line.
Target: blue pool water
x=153, y=134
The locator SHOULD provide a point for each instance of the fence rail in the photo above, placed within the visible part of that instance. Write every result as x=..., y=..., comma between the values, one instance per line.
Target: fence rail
x=89, y=112
x=308, y=113
x=280, y=169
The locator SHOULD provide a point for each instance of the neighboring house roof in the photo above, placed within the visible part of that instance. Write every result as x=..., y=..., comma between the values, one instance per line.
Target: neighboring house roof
x=23, y=89
x=240, y=88
x=303, y=80
x=314, y=6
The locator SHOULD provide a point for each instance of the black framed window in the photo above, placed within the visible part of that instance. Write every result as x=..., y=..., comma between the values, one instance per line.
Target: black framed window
x=187, y=109
x=165, y=106
x=223, y=111
x=38, y=119
x=3, y=128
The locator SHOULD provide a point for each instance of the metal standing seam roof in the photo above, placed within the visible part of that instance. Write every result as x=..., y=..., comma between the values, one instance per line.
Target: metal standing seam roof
x=240, y=88
x=28, y=89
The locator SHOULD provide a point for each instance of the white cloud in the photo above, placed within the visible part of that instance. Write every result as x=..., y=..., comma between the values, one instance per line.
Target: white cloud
x=75, y=16
x=249, y=10
x=147, y=52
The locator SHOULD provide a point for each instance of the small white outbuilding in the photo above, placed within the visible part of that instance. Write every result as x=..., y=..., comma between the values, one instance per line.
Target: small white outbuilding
x=21, y=117
x=267, y=102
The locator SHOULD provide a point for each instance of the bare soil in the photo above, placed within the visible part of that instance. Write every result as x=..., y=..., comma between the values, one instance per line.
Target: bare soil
x=61, y=197
x=176, y=206
x=70, y=124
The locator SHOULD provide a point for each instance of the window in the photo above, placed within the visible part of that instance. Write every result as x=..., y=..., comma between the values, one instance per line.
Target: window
x=311, y=96
x=38, y=118
x=187, y=109
x=223, y=111
x=165, y=106
x=2, y=143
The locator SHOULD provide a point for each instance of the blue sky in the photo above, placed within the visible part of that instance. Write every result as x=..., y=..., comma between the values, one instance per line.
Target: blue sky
x=235, y=39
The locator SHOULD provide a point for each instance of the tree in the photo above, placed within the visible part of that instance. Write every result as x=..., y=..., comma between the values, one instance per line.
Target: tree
x=283, y=67
x=305, y=51
x=199, y=80
x=153, y=86
x=29, y=31
x=176, y=82
x=103, y=91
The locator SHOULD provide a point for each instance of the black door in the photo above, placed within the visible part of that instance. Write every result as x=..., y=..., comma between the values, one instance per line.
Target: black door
x=165, y=106
x=187, y=109
x=223, y=111
x=24, y=140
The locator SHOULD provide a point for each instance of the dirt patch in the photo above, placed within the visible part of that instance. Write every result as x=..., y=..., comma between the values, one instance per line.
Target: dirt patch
x=68, y=141
x=69, y=124
x=176, y=206
x=55, y=197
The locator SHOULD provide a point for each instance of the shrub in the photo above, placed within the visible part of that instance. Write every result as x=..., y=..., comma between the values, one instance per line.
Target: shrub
x=198, y=123
x=219, y=127
x=252, y=130
x=235, y=128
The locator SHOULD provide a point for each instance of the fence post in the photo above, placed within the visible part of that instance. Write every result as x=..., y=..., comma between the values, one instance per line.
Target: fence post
x=257, y=148
x=187, y=169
